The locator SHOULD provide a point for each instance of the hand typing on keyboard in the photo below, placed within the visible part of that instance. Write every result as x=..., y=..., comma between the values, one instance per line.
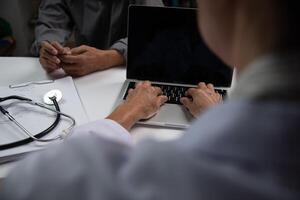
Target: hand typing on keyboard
x=142, y=102
x=199, y=99
x=196, y=100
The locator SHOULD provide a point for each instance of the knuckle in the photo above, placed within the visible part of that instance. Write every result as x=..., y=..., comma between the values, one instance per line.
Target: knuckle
x=193, y=90
x=42, y=49
x=158, y=89
x=48, y=63
x=153, y=105
x=201, y=91
x=145, y=87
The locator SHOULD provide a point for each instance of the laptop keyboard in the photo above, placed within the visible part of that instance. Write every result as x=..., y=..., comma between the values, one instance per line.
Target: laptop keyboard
x=174, y=93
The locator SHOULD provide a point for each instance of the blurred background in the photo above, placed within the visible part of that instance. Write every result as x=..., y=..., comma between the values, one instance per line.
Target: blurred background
x=17, y=21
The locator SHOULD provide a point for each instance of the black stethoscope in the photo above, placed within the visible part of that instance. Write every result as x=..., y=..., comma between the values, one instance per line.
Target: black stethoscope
x=50, y=98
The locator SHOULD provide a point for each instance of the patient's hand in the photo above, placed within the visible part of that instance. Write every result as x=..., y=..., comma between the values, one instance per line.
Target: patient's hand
x=85, y=60
x=142, y=103
x=50, y=53
x=201, y=98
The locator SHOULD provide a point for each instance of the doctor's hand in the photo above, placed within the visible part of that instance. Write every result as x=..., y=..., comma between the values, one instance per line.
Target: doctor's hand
x=85, y=60
x=201, y=98
x=50, y=55
x=143, y=102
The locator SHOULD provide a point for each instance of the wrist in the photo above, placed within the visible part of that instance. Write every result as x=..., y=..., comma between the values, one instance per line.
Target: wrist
x=114, y=58
x=126, y=115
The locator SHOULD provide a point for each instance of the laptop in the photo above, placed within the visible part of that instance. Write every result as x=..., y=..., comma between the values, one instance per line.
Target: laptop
x=165, y=47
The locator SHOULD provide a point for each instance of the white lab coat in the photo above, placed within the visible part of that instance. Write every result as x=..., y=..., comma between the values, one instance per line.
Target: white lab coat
x=105, y=128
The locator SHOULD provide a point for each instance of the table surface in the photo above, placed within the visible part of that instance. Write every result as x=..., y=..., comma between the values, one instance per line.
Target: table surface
x=98, y=92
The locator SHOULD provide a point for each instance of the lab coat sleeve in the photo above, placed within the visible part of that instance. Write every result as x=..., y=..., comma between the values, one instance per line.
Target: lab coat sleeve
x=53, y=24
x=92, y=167
x=107, y=129
x=68, y=163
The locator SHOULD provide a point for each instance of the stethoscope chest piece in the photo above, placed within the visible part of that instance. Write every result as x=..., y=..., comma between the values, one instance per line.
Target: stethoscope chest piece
x=53, y=93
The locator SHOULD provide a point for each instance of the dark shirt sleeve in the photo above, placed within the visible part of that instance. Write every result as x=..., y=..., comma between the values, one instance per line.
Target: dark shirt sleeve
x=149, y=2
x=121, y=47
x=54, y=24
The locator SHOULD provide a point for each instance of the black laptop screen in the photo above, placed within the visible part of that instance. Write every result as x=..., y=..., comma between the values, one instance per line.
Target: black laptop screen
x=164, y=45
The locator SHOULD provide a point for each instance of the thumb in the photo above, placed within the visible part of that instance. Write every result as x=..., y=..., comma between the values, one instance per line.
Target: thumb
x=162, y=100
x=58, y=47
x=186, y=102
x=67, y=51
x=79, y=50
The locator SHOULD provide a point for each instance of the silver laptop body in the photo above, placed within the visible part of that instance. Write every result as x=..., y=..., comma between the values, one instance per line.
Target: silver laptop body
x=142, y=20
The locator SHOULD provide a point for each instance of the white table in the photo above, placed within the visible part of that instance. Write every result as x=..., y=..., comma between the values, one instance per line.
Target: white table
x=97, y=91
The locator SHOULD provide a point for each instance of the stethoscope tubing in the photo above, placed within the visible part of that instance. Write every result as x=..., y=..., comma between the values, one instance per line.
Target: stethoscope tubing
x=38, y=136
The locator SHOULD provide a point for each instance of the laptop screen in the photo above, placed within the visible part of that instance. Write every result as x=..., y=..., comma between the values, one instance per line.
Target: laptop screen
x=164, y=45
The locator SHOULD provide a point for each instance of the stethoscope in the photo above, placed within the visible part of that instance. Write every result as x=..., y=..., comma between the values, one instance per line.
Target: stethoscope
x=50, y=98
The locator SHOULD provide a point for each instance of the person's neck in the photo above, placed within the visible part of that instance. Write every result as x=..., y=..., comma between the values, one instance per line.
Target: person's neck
x=243, y=58
x=253, y=38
